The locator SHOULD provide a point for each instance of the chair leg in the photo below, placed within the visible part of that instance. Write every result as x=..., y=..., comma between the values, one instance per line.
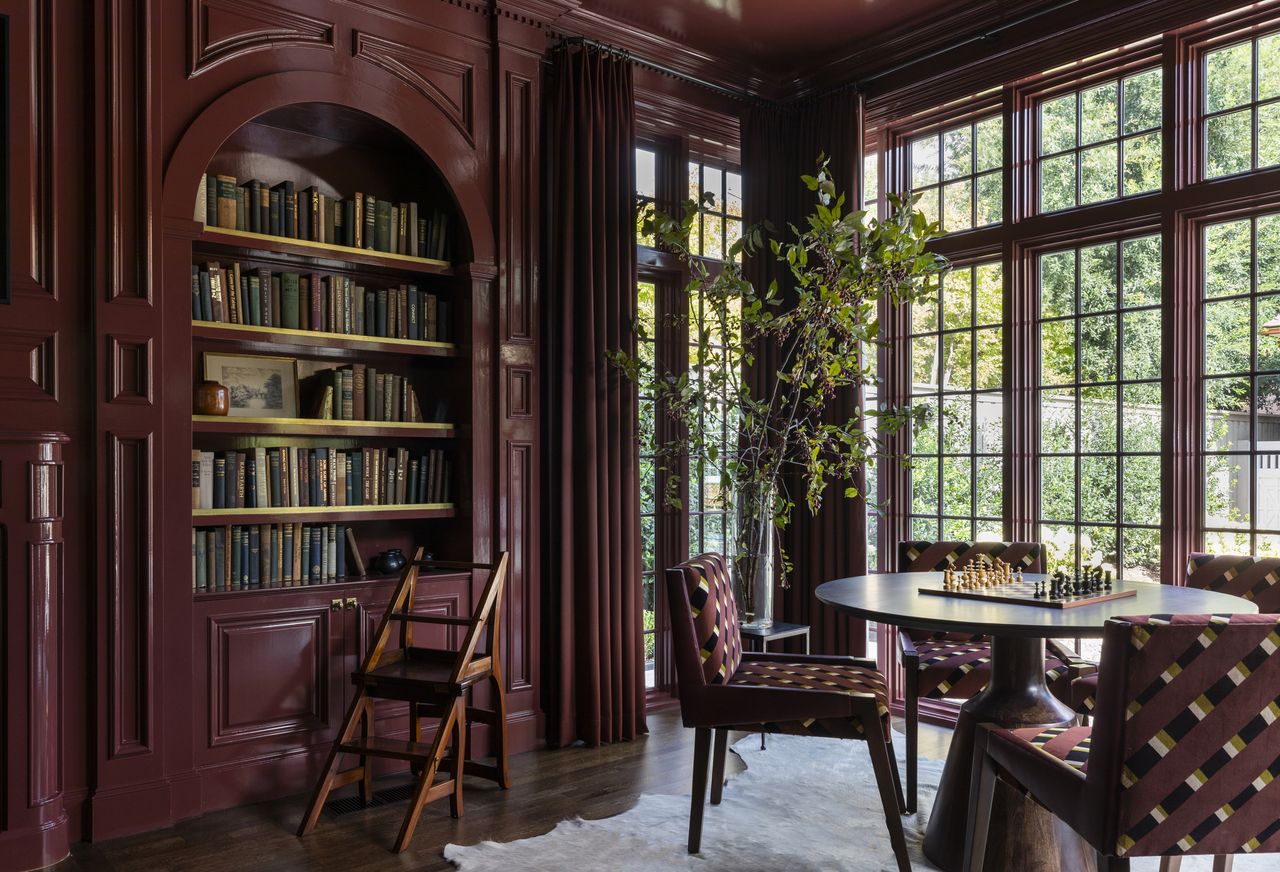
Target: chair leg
x=366, y=762
x=500, y=728
x=982, y=790
x=459, y=755
x=912, y=712
x=1174, y=864
x=883, y=763
x=1112, y=864
x=897, y=778
x=330, y=770
x=717, y=765
x=701, y=748
x=438, y=748
x=1223, y=862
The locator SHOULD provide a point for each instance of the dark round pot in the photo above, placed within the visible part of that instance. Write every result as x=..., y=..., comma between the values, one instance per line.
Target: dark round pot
x=391, y=560
x=212, y=398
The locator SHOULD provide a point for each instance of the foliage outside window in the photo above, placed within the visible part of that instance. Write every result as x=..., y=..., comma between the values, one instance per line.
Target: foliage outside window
x=957, y=376
x=1241, y=386
x=1100, y=405
x=720, y=224
x=646, y=311
x=1242, y=107
x=1100, y=143
x=957, y=174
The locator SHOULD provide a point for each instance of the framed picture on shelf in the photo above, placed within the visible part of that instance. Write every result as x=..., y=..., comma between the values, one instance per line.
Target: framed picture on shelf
x=259, y=387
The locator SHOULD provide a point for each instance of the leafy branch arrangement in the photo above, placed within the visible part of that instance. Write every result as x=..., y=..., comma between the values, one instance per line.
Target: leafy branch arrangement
x=842, y=265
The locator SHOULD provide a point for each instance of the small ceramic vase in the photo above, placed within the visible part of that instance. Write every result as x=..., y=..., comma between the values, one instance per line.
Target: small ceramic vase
x=212, y=398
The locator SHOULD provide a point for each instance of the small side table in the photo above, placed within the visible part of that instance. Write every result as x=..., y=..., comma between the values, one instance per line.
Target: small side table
x=758, y=638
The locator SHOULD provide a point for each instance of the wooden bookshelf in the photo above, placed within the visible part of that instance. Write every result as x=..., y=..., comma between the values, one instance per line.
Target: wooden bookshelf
x=245, y=334
x=244, y=241
x=320, y=427
x=334, y=588
x=319, y=514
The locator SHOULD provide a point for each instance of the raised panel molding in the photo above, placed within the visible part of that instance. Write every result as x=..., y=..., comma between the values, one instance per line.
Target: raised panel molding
x=226, y=29
x=45, y=492
x=519, y=223
x=129, y=359
x=44, y=701
x=519, y=392
x=28, y=364
x=129, y=596
x=449, y=84
x=127, y=248
x=32, y=60
x=247, y=702
x=520, y=500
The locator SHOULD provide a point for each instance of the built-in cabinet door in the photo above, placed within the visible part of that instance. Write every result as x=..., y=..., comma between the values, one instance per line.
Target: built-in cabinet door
x=274, y=682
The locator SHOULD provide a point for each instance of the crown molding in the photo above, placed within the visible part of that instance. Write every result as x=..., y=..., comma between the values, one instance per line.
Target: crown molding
x=540, y=13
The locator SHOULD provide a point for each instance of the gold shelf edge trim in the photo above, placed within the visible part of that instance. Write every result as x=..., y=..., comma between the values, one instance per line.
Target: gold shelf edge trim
x=323, y=246
x=359, y=337
x=323, y=422
x=317, y=510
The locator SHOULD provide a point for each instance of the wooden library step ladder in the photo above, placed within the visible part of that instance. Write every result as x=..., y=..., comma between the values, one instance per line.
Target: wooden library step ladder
x=435, y=683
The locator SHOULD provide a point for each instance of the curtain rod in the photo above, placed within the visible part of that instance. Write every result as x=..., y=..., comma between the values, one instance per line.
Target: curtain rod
x=855, y=84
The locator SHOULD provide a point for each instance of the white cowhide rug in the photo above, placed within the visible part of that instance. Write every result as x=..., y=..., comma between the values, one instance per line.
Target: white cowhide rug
x=804, y=805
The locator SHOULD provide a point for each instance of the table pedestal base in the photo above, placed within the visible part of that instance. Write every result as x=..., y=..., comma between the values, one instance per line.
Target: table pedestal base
x=1023, y=836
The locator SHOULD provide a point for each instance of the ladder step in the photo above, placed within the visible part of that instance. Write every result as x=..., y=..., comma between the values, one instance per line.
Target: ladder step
x=395, y=749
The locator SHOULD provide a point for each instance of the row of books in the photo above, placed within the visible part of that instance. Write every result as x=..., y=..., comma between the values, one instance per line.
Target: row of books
x=358, y=392
x=290, y=476
x=249, y=556
x=359, y=221
x=238, y=294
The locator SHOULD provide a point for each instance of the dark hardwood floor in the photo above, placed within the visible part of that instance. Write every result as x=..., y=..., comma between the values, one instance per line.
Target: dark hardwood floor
x=550, y=786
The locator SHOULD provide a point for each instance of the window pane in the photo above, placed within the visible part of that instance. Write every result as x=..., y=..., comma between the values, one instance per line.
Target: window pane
x=1141, y=559
x=1057, y=488
x=990, y=487
x=870, y=179
x=1228, y=142
x=1057, y=284
x=1268, y=135
x=957, y=361
x=990, y=143
x=1099, y=109
x=1058, y=183
x=646, y=184
x=1226, y=405
x=924, y=360
x=989, y=426
x=924, y=432
x=929, y=205
x=1268, y=254
x=957, y=423
x=1142, y=101
x=1142, y=490
x=957, y=298
x=1098, y=348
x=1228, y=77
x=1057, y=352
x=1098, y=496
x=957, y=152
x=1058, y=124
x=1227, y=249
x=1269, y=66
x=957, y=486
x=1227, y=491
x=924, y=485
x=990, y=293
x=1142, y=160
x=1226, y=336
x=1098, y=271
x=1098, y=431
x=1142, y=345
x=733, y=193
x=990, y=363
x=957, y=205
x=1268, y=342
x=1098, y=174
x=990, y=205
x=1141, y=418
x=924, y=161
x=1141, y=271
x=1057, y=421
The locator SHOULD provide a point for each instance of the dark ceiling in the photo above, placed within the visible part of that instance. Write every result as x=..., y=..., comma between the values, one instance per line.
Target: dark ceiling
x=775, y=37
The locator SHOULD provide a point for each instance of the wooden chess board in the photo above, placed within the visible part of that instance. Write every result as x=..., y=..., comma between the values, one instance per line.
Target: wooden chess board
x=1022, y=593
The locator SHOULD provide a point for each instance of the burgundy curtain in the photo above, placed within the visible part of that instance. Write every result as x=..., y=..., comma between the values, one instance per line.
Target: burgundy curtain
x=779, y=144
x=596, y=649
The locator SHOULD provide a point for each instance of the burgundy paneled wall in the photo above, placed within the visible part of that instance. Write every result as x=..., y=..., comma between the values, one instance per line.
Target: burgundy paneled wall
x=129, y=704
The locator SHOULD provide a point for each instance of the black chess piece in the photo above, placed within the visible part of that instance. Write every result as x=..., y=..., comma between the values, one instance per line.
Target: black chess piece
x=1107, y=583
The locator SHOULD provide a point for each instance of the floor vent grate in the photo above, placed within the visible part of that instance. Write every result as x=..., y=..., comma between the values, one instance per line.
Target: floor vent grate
x=386, y=796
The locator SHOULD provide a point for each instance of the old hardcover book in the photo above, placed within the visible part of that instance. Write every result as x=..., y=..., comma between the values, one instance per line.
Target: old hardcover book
x=255, y=556
x=380, y=313
x=357, y=562
x=275, y=474
x=227, y=200
x=357, y=391
x=388, y=395
x=216, y=311
x=210, y=200
x=368, y=232
x=411, y=245
x=219, y=481
x=431, y=309
x=298, y=571
x=201, y=560
x=242, y=204
x=322, y=477
x=348, y=394
x=197, y=311
x=357, y=221
x=270, y=292
x=276, y=288
x=263, y=471
x=289, y=301
x=393, y=236
x=195, y=479
x=232, y=294
x=253, y=219
x=382, y=225
x=206, y=297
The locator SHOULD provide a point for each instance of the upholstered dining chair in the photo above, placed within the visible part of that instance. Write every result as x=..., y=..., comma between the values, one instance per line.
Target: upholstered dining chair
x=942, y=665
x=722, y=688
x=1182, y=756
x=1252, y=578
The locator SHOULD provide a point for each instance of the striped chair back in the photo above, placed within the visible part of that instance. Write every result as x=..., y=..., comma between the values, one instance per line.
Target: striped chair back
x=937, y=556
x=1186, y=742
x=714, y=613
x=1253, y=578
